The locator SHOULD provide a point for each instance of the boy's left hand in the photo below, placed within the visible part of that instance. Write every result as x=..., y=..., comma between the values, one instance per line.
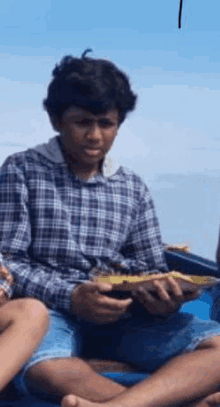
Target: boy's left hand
x=167, y=301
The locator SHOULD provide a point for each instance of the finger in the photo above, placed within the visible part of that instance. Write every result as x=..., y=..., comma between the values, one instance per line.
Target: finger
x=155, y=306
x=2, y=295
x=107, y=312
x=163, y=294
x=144, y=296
x=134, y=293
x=192, y=295
x=112, y=303
x=152, y=304
x=3, y=299
x=94, y=286
x=176, y=289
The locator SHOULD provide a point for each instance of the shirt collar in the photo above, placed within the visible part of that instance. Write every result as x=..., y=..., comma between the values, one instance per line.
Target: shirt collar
x=52, y=151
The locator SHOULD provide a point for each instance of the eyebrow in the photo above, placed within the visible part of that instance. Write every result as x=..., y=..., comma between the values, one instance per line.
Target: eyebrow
x=100, y=119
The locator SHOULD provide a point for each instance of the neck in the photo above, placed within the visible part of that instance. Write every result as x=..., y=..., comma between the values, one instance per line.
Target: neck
x=83, y=171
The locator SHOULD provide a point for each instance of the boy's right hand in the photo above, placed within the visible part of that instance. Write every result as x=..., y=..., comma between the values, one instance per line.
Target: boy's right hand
x=90, y=303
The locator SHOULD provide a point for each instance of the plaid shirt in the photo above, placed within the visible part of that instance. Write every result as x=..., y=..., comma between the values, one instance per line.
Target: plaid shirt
x=55, y=228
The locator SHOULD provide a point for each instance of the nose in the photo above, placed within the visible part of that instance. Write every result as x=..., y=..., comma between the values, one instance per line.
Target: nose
x=94, y=133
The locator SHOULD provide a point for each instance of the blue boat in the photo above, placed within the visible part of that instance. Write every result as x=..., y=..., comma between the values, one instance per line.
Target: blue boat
x=185, y=262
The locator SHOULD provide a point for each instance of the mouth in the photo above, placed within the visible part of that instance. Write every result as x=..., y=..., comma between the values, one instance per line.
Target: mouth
x=92, y=151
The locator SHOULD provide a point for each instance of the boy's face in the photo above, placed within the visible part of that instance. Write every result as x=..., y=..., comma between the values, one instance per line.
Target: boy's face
x=88, y=137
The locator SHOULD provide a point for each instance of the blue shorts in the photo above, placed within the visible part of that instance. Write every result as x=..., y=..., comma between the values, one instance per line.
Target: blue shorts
x=215, y=307
x=144, y=344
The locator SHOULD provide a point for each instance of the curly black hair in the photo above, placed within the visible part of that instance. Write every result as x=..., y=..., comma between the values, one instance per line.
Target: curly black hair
x=92, y=84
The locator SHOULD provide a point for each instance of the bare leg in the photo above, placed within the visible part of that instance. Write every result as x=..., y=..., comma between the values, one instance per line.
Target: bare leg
x=23, y=322
x=59, y=377
x=183, y=380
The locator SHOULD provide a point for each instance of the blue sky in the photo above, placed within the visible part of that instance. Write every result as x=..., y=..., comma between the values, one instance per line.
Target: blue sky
x=176, y=73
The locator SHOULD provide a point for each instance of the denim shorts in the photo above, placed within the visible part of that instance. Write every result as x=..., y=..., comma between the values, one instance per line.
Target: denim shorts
x=144, y=344
x=215, y=306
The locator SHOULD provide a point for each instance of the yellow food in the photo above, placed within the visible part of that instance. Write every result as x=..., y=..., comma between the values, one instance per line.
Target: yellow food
x=128, y=280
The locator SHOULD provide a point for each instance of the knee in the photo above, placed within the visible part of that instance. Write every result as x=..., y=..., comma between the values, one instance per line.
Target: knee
x=35, y=307
x=31, y=306
x=32, y=310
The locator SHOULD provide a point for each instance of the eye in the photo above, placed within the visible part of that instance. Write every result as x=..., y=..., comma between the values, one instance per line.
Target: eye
x=83, y=123
x=105, y=123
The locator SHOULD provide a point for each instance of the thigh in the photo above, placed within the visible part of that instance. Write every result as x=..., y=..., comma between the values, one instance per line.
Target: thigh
x=147, y=346
x=63, y=337
x=134, y=341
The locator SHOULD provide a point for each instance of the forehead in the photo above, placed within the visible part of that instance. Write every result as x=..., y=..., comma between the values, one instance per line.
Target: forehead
x=74, y=111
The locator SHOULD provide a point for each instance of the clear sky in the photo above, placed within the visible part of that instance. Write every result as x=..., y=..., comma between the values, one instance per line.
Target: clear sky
x=172, y=138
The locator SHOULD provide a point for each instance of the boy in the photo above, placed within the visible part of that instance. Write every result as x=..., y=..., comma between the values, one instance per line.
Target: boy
x=63, y=215
x=23, y=322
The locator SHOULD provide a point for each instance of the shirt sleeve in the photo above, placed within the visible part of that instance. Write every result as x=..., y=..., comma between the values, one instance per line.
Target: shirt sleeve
x=144, y=250
x=6, y=279
x=31, y=278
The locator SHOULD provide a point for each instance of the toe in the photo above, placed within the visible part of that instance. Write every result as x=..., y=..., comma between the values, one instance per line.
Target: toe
x=69, y=401
x=213, y=400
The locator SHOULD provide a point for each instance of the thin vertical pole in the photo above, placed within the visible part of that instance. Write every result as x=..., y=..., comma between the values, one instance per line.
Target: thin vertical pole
x=180, y=13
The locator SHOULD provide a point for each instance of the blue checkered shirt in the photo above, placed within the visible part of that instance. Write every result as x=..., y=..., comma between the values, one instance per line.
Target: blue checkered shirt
x=55, y=228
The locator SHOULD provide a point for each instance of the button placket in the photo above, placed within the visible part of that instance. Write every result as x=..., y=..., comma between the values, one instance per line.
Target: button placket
x=83, y=217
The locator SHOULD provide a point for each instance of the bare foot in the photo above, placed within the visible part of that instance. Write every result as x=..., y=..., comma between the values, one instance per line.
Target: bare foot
x=73, y=401
x=213, y=400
